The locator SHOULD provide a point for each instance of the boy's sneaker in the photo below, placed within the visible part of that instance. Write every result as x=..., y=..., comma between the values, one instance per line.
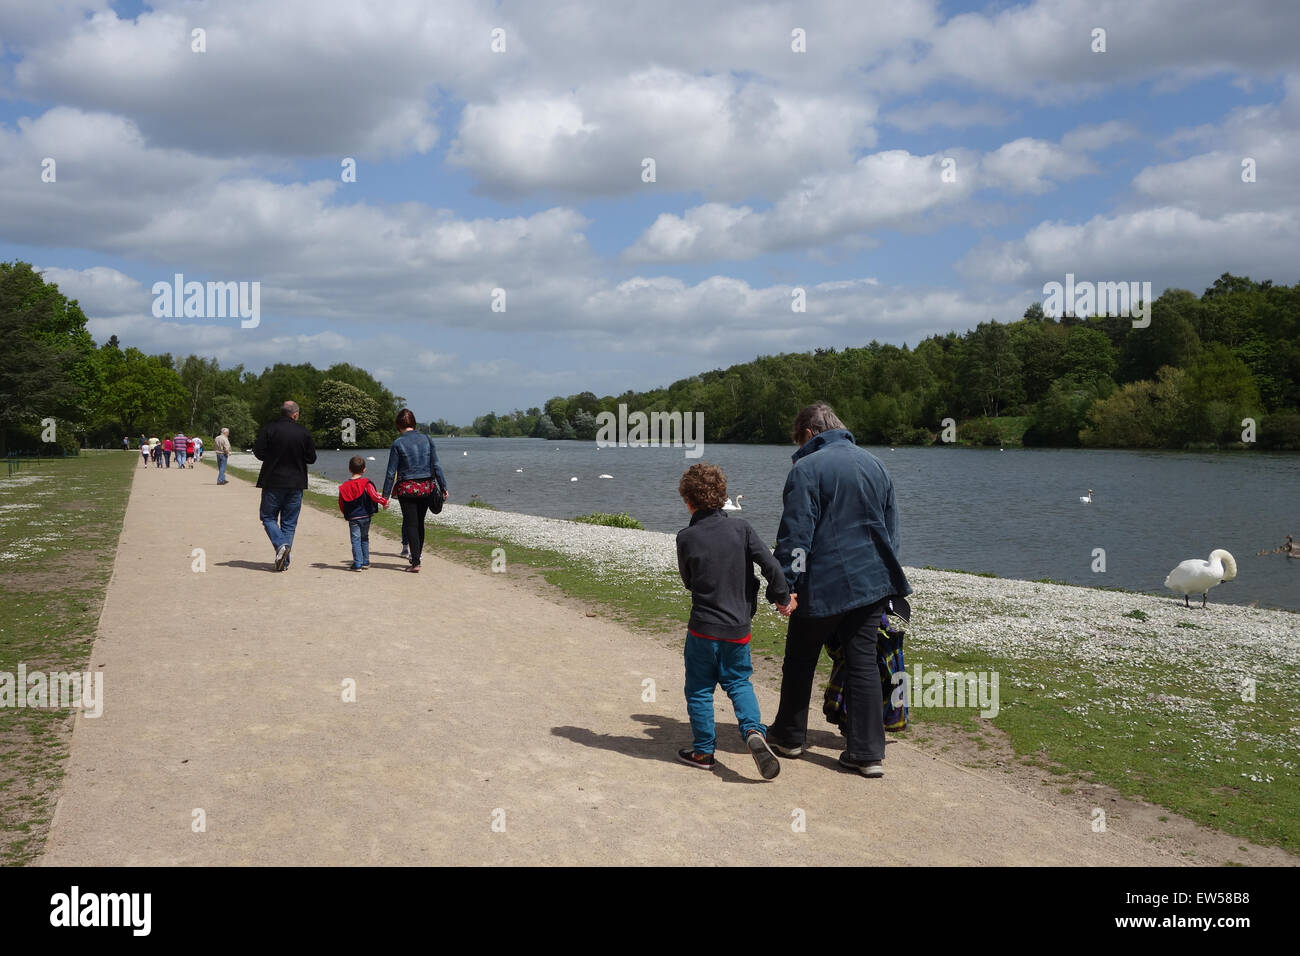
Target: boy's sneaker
x=357, y=567
x=868, y=768
x=406, y=553
x=768, y=765
x=281, y=557
x=688, y=756
x=789, y=752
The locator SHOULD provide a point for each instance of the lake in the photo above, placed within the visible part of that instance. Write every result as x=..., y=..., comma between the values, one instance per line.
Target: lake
x=1013, y=513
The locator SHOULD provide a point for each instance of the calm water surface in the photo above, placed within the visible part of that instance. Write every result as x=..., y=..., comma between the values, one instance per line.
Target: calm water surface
x=1013, y=513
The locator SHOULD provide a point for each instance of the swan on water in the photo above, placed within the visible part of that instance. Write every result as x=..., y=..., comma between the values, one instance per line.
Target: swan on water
x=370, y=458
x=607, y=476
x=1197, y=577
x=733, y=506
x=465, y=454
x=574, y=478
x=1087, y=500
x=519, y=471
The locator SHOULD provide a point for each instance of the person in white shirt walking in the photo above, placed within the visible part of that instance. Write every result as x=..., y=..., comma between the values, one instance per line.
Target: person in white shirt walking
x=222, y=445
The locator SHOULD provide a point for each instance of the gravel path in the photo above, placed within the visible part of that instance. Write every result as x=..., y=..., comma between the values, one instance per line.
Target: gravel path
x=484, y=724
x=1142, y=651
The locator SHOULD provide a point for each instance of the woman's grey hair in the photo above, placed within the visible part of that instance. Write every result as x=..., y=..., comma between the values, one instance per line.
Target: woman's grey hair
x=816, y=418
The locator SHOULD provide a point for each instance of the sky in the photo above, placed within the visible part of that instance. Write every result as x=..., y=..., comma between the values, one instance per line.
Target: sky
x=915, y=167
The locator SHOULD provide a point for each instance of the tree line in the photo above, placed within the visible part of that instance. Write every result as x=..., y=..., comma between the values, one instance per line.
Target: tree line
x=51, y=369
x=1190, y=379
x=1203, y=366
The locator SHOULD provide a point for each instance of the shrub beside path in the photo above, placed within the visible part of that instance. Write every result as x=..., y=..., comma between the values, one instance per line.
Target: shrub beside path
x=491, y=725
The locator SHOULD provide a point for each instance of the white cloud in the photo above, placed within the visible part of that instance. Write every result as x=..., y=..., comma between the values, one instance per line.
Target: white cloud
x=294, y=77
x=712, y=134
x=1188, y=221
x=1166, y=246
x=1042, y=51
x=892, y=189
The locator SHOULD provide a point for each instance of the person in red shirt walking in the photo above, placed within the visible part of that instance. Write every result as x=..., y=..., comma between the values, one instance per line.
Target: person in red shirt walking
x=358, y=500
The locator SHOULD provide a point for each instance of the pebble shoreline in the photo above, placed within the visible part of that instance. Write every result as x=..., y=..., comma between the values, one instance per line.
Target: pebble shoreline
x=1000, y=615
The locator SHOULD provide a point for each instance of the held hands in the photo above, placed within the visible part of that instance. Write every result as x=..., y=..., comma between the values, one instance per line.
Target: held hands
x=384, y=502
x=785, y=610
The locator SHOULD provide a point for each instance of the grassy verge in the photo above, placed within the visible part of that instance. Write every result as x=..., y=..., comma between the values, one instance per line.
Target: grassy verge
x=1156, y=732
x=59, y=523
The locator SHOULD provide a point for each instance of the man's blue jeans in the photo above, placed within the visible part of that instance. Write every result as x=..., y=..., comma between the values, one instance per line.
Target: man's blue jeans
x=709, y=663
x=359, y=529
x=279, y=513
x=221, y=467
x=180, y=458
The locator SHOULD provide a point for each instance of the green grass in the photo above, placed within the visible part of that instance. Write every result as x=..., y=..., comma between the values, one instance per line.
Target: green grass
x=620, y=520
x=52, y=592
x=477, y=502
x=1058, y=716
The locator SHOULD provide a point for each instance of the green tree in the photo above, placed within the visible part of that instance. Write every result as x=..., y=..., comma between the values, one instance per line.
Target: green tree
x=990, y=371
x=1219, y=392
x=1139, y=415
x=48, y=366
x=144, y=393
x=233, y=413
x=1170, y=339
x=335, y=402
x=1088, y=355
x=1058, y=418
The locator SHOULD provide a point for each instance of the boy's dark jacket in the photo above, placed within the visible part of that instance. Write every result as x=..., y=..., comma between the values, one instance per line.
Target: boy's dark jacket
x=358, y=497
x=716, y=556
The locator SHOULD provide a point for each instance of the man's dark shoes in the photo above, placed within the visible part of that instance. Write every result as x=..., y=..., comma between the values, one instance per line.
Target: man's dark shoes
x=788, y=752
x=688, y=756
x=868, y=768
x=768, y=765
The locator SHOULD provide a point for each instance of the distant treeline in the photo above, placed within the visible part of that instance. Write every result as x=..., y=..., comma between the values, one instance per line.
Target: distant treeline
x=1188, y=380
x=51, y=368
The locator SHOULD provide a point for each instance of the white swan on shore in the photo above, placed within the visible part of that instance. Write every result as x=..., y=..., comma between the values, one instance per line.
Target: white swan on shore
x=1197, y=577
x=733, y=505
x=1087, y=500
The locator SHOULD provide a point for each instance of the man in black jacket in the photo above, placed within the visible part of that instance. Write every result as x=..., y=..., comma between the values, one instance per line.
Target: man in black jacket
x=285, y=449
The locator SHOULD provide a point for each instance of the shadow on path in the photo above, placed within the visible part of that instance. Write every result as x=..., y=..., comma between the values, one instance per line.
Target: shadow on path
x=248, y=565
x=664, y=737
x=347, y=566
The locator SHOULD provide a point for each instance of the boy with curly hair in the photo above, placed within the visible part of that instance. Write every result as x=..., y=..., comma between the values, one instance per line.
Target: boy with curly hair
x=716, y=554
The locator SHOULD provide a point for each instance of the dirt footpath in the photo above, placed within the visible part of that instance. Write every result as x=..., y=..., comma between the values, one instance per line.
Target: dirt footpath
x=490, y=725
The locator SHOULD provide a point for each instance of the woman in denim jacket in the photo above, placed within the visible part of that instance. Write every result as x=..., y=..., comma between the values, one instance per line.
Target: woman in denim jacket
x=413, y=467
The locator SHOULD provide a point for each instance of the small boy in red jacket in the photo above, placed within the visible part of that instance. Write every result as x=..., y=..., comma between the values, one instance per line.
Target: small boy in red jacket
x=357, y=500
